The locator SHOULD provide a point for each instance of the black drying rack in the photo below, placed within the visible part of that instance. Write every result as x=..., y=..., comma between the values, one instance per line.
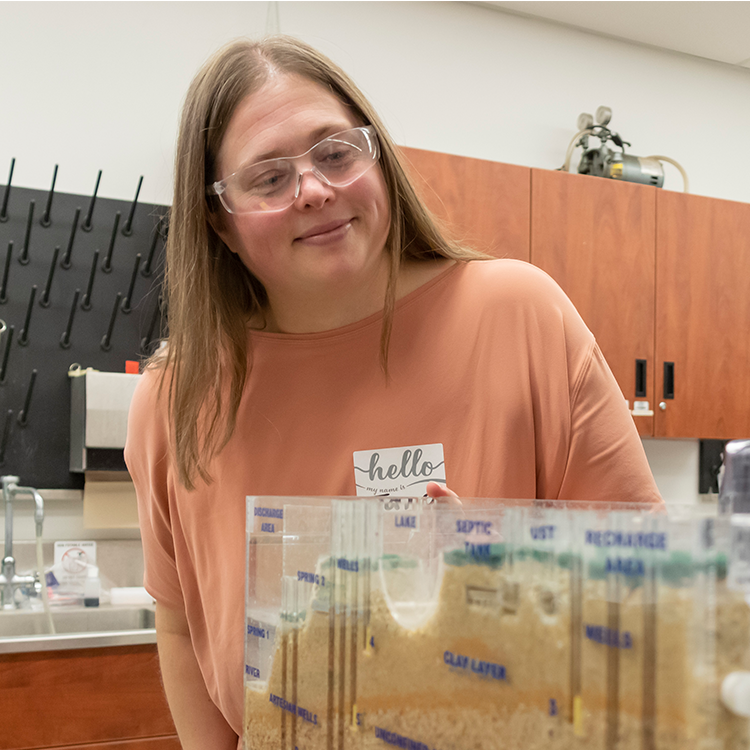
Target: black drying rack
x=80, y=284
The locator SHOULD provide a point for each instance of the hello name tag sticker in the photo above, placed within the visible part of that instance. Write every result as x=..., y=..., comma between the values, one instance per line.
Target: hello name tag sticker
x=398, y=471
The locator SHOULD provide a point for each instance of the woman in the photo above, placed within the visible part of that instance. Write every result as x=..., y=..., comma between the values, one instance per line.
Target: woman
x=317, y=312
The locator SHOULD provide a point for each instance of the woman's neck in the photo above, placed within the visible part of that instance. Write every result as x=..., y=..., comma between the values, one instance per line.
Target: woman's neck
x=311, y=312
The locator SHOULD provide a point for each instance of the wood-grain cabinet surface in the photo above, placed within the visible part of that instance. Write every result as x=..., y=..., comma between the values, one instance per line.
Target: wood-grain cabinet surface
x=658, y=276
x=482, y=204
x=703, y=315
x=88, y=699
x=597, y=239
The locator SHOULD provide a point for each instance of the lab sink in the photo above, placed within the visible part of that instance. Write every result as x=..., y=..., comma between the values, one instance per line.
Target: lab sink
x=104, y=619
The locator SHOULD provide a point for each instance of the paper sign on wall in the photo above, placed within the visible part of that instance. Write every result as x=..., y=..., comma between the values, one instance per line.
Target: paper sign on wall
x=72, y=560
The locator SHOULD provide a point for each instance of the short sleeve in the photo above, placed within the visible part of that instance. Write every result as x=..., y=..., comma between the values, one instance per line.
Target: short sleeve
x=148, y=460
x=606, y=460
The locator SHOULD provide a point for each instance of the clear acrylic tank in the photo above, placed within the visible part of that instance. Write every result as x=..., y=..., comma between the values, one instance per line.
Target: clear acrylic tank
x=384, y=622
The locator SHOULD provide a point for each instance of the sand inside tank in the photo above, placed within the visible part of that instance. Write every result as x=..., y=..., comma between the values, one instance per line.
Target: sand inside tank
x=510, y=659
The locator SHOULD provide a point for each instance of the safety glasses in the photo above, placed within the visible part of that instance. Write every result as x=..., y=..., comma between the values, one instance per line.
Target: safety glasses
x=274, y=184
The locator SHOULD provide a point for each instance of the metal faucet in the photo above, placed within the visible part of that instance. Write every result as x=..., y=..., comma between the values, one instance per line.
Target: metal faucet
x=9, y=581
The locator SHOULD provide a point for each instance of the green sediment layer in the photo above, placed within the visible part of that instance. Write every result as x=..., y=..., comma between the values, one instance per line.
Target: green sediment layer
x=673, y=569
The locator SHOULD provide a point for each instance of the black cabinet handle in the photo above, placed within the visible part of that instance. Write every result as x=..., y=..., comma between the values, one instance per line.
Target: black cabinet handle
x=669, y=380
x=640, y=378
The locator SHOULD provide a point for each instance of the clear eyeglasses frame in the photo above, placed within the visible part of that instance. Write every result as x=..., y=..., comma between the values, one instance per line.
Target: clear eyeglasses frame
x=274, y=184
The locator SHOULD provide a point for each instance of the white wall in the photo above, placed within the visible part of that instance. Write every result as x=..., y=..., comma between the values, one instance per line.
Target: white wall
x=98, y=85
x=674, y=464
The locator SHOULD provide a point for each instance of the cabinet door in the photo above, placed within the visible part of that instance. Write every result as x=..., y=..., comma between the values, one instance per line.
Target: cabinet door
x=482, y=204
x=596, y=238
x=83, y=696
x=703, y=316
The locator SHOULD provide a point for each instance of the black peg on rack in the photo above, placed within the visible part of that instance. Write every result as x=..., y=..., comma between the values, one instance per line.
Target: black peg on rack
x=146, y=270
x=86, y=304
x=65, y=338
x=23, y=415
x=6, y=273
x=106, y=343
x=6, y=195
x=127, y=230
x=107, y=265
x=45, y=220
x=6, y=435
x=148, y=338
x=24, y=259
x=126, y=308
x=44, y=301
x=65, y=262
x=23, y=337
x=6, y=353
x=87, y=225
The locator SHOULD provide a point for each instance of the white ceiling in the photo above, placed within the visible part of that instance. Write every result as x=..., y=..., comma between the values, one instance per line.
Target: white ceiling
x=713, y=30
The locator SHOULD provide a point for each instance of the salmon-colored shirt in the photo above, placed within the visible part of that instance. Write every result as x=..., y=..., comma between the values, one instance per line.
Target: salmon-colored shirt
x=489, y=358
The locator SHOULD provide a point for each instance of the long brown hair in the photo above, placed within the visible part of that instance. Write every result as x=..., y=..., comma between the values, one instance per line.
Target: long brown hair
x=210, y=293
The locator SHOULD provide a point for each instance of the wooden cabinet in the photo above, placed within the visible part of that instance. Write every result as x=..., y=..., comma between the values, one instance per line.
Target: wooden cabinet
x=597, y=239
x=703, y=316
x=87, y=698
x=661, y=277
x=483, y=204
x=658, y=276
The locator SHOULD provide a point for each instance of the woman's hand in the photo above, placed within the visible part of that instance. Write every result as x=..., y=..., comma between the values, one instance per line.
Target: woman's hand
x=442, y=494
